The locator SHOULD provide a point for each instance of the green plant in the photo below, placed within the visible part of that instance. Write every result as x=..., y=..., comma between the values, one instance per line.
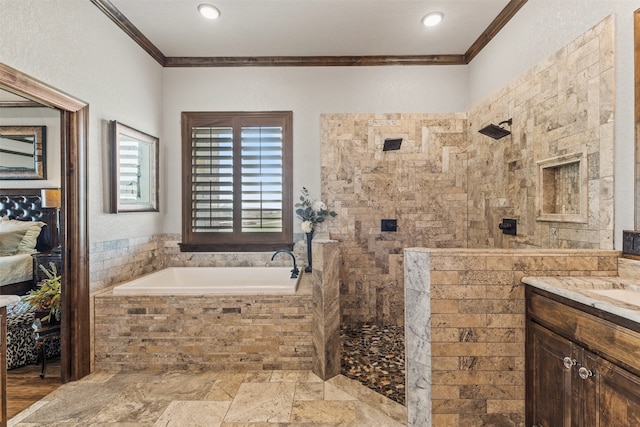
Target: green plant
x=311, y=212
x=46, y=296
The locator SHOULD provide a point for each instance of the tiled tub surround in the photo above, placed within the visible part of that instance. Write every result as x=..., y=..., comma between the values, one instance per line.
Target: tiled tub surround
x=299, y=331
x=204, y=332
x=465, y=329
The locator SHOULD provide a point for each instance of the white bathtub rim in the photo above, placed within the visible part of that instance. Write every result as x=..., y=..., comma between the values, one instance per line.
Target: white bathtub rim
x=141, y=286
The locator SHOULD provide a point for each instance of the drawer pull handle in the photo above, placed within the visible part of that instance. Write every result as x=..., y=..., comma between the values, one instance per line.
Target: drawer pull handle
x=584, y=373
x=569, y=362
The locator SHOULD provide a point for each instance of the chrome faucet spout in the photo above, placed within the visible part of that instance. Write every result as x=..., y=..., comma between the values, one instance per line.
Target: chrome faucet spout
x=294, y=271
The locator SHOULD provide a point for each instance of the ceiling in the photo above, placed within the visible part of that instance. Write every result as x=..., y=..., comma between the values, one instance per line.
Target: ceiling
x=307, y=28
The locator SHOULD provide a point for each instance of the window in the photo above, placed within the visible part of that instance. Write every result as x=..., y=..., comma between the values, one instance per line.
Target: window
x=237, y=181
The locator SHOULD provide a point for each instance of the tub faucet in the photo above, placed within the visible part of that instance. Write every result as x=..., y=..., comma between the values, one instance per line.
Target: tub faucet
x=295, y=271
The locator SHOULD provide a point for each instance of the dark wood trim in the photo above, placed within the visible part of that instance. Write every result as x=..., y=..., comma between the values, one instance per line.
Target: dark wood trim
x=309, y=61
x=236, y=240
x=19, y=104
x=21, y=84
x=76, y=331
x=75, y=326
x=494, y=28
x=3, y=367
x=313, y=61
x=636, y=56
x=125, y=25
x=210, y=247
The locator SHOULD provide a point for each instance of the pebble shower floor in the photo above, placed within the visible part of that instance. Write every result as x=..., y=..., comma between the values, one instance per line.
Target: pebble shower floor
x=374, y=355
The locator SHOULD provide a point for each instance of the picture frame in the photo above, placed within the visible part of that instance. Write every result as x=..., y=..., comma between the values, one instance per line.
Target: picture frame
x=23, y=152
x=134, y=170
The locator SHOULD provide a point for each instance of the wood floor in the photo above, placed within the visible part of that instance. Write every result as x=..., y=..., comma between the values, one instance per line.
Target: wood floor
x=24, y=385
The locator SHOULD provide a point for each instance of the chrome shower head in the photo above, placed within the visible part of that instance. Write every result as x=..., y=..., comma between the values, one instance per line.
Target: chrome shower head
x=496, y=131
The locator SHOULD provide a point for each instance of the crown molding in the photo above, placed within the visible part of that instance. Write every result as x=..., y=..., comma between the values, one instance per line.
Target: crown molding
x=314, y=61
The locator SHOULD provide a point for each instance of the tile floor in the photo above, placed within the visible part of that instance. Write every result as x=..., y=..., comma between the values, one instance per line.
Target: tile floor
x=374, y=355
x=224, y=399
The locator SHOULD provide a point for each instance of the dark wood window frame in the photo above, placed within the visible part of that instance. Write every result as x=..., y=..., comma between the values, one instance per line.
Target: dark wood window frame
x=236, y=240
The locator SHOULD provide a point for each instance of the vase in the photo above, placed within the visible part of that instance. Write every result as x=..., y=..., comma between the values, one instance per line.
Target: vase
x=308, y=268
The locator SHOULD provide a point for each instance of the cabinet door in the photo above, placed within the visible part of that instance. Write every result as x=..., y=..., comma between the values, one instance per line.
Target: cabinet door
x=550, y=372
x=611, y=395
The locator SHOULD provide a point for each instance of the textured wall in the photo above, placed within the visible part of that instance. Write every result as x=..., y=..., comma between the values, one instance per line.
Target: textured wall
x=422, y=185
x=465, y=329
x=119, y=260
x=199, y=332
x=564, y=105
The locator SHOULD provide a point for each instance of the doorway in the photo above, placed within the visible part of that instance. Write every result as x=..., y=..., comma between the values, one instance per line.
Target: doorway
x=75, y=361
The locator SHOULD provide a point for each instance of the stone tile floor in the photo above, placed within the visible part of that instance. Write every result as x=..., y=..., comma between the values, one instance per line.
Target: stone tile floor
x=374, y=356
x=212, y=399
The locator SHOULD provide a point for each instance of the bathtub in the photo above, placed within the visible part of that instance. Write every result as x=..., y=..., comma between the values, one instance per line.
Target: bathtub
x=212, y=281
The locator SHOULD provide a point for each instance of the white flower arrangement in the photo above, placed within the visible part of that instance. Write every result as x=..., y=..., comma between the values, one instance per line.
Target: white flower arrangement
x=311, y=212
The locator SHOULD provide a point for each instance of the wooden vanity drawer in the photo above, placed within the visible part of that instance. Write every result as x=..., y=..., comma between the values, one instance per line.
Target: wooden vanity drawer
x=603, y=337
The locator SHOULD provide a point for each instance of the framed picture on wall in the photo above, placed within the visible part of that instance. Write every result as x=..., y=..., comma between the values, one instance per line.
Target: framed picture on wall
x=134, y=170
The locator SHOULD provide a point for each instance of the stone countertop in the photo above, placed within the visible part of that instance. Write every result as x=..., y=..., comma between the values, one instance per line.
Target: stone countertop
x=585, y=290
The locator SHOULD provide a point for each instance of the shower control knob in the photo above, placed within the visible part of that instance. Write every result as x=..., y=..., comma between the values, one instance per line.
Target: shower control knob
x=508, y=226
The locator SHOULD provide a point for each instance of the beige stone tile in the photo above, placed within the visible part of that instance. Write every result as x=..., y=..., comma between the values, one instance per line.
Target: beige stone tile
x=392, y=409
x=258, y=376
x=331, y=392
x=289, y=376
x=369, y=416
x=309, y=391
x=225, y=386
x=193, y=414
x=76, y=404
x=323, y=411
x=313, y=378
x=262, y=402
x=25, y=413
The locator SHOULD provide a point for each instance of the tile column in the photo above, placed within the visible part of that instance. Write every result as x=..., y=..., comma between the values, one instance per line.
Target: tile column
x=417, y=292
x=326, y=308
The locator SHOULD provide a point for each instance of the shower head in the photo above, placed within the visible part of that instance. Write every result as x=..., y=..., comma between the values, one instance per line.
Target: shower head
x=496, y=132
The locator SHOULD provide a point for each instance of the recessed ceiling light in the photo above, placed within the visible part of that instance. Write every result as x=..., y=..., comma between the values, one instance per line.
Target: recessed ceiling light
x=433, y=18
x=208, y=11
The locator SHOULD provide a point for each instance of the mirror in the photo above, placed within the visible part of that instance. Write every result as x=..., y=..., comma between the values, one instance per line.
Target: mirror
x=22, y=152
x=134, y=170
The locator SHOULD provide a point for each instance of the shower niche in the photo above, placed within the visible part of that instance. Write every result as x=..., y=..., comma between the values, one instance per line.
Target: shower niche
x=562, y=189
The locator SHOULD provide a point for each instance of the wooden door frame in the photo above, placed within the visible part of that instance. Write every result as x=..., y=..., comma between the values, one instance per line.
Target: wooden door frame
x=75, y=326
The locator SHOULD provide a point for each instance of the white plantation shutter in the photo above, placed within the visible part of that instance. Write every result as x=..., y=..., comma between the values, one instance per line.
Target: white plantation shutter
x=239, y=191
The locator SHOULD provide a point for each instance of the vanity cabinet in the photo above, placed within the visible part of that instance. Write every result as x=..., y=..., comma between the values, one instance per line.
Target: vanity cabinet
x=582, y=366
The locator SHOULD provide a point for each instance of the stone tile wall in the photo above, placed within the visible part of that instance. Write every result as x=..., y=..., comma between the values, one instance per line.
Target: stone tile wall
x=204, y=332
x=116, y=261
x=422, y=185
x=326, y=308
x=562, y=106
x=465, y=327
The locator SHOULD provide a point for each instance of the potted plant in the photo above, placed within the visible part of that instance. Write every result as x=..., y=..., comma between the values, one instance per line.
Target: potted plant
x=46, y=297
